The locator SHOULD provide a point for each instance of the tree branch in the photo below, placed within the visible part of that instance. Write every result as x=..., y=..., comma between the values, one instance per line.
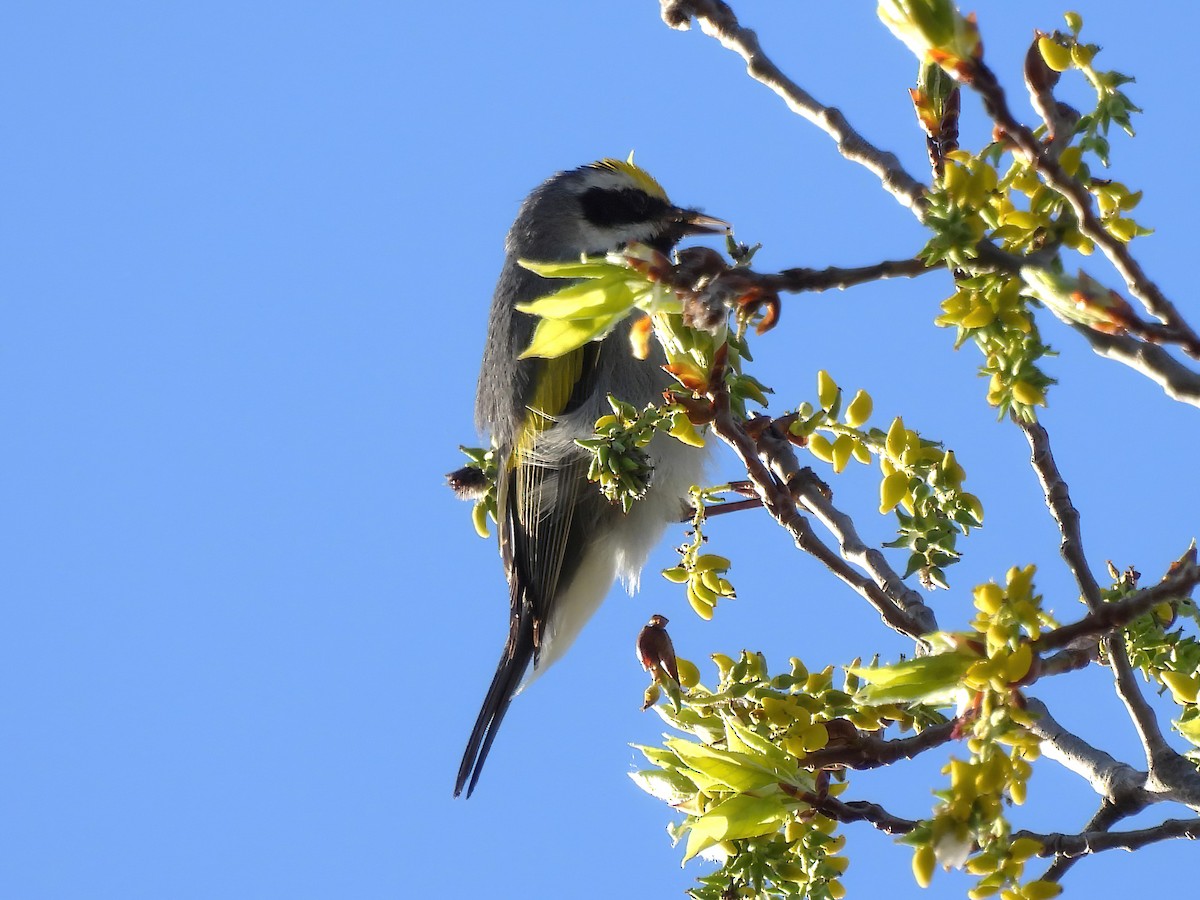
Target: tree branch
x=779, y=455
x=1177, y=380
x=1088, y=842
x=1118, y=783
x=1058, y=499
x=1177, y=584
x=717, y=20
x=899, y=606
x=870, y=752
x=860, y=811
x=801, y=280
x=984, y=81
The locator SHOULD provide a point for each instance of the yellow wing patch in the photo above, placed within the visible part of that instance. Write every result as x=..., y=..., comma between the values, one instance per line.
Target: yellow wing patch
x=555, y=384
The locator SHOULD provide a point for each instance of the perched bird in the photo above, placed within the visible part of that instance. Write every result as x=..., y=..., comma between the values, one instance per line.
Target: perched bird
x=561, y=542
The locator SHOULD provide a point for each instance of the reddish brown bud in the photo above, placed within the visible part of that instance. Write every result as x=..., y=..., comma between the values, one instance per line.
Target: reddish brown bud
x=655, y=651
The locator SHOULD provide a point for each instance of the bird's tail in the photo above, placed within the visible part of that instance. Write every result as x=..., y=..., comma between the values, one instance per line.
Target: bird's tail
x=518, y=652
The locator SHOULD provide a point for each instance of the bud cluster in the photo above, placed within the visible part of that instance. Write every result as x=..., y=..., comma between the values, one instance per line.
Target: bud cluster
x=620, y=464
x=921, y=481
x=703, y=573
x=1021, y=213
x=737, y=776
x=1158, y=645
x=477, y=481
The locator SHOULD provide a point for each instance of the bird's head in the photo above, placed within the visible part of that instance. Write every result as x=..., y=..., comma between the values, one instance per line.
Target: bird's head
x=601, y=207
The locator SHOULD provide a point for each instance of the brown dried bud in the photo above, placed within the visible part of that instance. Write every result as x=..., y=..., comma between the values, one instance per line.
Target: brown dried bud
x=655, y=651
x=468, y=483
x=697, y=264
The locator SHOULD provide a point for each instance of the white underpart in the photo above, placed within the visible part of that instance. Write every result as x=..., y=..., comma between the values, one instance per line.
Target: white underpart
x=622, y=553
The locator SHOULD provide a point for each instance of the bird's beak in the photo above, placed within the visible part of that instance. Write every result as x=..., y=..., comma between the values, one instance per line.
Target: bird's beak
x=693, y=222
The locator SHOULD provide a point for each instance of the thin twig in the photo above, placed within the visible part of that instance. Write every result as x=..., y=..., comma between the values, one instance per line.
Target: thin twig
x=717, y=20
x=1087, y=842
x=778, y=453
x=1177, y=380
x=1108, y=815
x=860, y=811
x=870, y=752
x=1058, y=499
x=778, y=501
x=1176, y=585
x=984, y=81
x=801, y=280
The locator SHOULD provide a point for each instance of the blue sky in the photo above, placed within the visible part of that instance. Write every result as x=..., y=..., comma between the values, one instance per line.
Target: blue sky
x=250, y=248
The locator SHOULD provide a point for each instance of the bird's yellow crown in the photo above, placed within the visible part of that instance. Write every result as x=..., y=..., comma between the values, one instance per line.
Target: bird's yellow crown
x=641, y=177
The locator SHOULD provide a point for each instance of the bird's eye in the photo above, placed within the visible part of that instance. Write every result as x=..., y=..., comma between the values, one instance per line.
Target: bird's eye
x=608, y=208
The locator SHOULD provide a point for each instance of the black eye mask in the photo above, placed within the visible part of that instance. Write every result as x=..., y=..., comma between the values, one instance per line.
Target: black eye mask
x=608, y=207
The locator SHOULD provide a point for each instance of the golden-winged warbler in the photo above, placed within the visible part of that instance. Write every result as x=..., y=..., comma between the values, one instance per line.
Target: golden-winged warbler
x=562, y=543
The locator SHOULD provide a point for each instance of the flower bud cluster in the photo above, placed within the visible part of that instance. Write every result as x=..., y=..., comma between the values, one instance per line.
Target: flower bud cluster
x=1158, y=643
x=737, y=776
x=921, y=481
x=703, y=573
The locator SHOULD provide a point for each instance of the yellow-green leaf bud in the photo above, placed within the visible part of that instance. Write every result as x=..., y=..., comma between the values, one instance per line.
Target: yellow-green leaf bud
x=827, y=389
x=891, y=491
x=1022, y=219
x=897, y=438
x=1184, y=688
x=981, y=865
x=859, y=409
x=1070, y=159
x=685, y=432
x=1057, y=56
x=989, y=598
x=479, y=520
x=676, y=574
x=980, y=317
x=791, y=871
x=1024, y=392
x=819, y=446
x=982, y=892
x=710, y=562
x=843, y=447
x=1017, y=791
x=1024, y=848
x=1041, y=890
x=1123, y=230
x=702, y=609
x=689, y=675
x=815, y=737
x=923, y=863
x=724, y=663
x=696, y=586
x=1082, y=54
x=839, y=864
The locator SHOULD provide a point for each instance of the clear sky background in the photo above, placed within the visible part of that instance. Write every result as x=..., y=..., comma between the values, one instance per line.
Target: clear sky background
x=249, y=249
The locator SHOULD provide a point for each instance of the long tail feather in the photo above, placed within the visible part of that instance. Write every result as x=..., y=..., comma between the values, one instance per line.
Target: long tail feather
x=513, y=663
